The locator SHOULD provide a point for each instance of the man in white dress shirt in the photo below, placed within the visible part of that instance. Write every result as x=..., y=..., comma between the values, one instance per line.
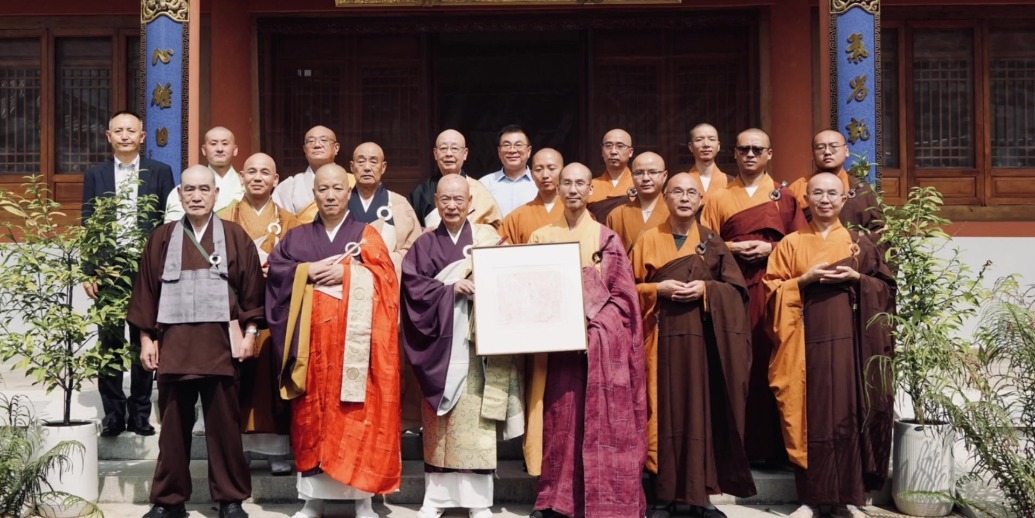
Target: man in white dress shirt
x=512, y=186
x=219, y=149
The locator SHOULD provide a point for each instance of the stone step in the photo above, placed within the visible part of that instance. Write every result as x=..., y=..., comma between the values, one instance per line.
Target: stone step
x=130, y=446
x=129, y=481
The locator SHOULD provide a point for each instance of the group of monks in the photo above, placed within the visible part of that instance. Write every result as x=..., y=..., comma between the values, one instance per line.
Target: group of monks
x=730, y=321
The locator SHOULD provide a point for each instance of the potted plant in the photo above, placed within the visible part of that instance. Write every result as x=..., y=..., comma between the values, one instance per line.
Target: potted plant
x=996, y=404
x=937, y=292
x=25, y=463
x=42, y=255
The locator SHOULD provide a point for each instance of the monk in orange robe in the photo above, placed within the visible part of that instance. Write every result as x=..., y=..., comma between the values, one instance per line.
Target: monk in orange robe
x=518, y=226
x=698, y=346
x=333, y=308
x=646, y=210
x=265, y=417
x=704, y=145
x=614, y=186
x=827, y=287
x=517, y=229
x=829, y=153
x=752, y=214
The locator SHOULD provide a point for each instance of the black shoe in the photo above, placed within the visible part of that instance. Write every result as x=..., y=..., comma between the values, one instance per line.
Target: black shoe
x=706, y=512
x=142, y=429
x=231, y=510
x=546, y=513
x=167, y=511
x=112, y=429
x=661, y=510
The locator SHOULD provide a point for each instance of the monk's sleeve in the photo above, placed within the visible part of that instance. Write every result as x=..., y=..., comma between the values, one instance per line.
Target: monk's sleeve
x=279, y=286
x=143, y=303
x=409, y=230
x=250, y=284
x=647, y=291
x=508, y=230
x=711, y=215
x=787, y=364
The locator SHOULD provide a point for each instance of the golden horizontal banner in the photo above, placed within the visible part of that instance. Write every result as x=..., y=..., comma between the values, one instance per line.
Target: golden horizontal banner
x=436, y=3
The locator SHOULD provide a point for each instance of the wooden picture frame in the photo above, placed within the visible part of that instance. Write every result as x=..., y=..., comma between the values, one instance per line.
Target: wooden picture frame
x=528, y=299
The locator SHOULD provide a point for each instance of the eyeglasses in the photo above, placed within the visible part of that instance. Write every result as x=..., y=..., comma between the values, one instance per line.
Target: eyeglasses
x=757, y=150
x=639, y=173
x=822, y=148
x=679, y=193
x=516, y=146
x=819, y=195
x=449, y=149
x=311, y=141
x=618, y=146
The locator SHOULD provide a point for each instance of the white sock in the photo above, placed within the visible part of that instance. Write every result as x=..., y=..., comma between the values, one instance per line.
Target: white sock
x=312, y=509
x=365, y=508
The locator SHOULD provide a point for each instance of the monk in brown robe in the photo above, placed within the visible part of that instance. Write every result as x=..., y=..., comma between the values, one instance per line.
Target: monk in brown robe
x=704, y=145
x=826, y=287
x=199, y=282
x=265, y=417
x=751, y=215
x=829, y=153
x=647, y=210
x=517, y=229
x=333, y=308
x=614, y=186
x=698, y=346
x=595, y=402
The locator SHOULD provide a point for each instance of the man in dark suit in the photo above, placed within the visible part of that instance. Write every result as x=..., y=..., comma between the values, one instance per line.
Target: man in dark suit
x=125, y=134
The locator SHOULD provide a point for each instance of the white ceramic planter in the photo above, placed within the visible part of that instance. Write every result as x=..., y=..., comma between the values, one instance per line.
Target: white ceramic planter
x=923, y=463
x=82, y=479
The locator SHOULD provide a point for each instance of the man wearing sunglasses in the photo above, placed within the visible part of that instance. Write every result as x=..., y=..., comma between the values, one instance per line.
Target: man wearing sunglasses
x=751, y=215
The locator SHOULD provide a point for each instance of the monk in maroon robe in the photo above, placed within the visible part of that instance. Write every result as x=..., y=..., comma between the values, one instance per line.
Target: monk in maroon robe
x=751, y=215
x=826, y=284
x=595, y=417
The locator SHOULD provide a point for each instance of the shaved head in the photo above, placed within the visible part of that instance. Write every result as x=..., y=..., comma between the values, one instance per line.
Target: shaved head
x=703, y=127
x=648, y=175
x=616, y=149
x=199, y=173
x=331, y=191
x=683, y=195
x=576, y=184
x=829, y=151
x=826, y=197
x=259, y=177
x=332, y=172
x=261, y=158
x=198, y=192
x=618, y=135
x=450, y=152
x=368, y=166
x=453, y=201
x=546, y=170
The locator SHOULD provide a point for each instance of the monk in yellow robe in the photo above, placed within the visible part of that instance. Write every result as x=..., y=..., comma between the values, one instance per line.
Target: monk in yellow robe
x=704, y=145
x=827, y=288
x=333, y=310
x=751, y=215
x=517, y=229
x=697, y=344
x=829, y=153
x=647, y=210
x=265, y=417
x=614, y=186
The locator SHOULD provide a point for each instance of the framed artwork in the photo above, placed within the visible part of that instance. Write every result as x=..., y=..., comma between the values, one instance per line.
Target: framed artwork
x=528, y=299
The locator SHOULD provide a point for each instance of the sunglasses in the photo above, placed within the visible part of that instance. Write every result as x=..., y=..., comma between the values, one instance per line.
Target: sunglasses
x=757, y=150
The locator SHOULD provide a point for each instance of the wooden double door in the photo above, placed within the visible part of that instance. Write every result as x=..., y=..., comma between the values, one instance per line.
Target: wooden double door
x=566, y=78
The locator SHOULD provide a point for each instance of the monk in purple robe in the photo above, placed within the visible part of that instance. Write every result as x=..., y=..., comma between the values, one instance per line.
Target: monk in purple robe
x=467, y=399
x=752, y=214
x=595, y=403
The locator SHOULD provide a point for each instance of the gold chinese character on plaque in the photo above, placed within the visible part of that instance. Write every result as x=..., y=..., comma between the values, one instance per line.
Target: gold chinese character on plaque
x=162, y=137
x=162, y=55
x=162, y=96
x=856, y=48
x=857, y=131
x=859, y=90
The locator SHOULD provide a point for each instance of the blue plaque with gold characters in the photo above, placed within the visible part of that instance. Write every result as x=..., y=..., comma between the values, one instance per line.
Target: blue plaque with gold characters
x=855, y=78
x=164, y=60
